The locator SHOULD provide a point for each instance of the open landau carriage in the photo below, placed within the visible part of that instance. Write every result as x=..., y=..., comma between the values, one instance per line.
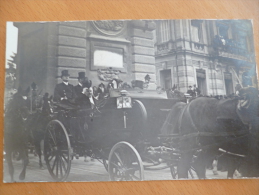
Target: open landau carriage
x=117, y=131
x=128, y=133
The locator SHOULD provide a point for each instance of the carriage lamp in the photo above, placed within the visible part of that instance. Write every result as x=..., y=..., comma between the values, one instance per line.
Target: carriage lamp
x=124, y=101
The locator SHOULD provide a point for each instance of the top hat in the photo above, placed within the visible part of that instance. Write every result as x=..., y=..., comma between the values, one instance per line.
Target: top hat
x=64, y=73
x=147, y=77
x=81, y=75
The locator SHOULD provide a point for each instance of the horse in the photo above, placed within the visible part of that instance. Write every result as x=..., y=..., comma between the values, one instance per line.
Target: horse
x=15, y=134
x=37, y=124
x=207, y=124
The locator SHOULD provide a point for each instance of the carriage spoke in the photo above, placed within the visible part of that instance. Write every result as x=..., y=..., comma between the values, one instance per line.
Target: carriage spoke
x=63, y=165
x=51, y=157
x=61, y=171
x=117, y=166
x=57, y=166
x=66, y=159
x=54, y=140
x=52, y=168
x=118, y=157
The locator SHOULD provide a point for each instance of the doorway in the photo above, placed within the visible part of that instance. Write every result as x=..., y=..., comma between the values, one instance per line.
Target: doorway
x=228, y=83
x=201, y=81
x=166, y=79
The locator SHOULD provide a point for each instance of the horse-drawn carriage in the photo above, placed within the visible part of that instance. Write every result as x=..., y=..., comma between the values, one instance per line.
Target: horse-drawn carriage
x=114, y=133
x=135, y=130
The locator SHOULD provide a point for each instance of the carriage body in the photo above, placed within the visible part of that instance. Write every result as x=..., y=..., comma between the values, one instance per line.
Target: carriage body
x=132, y=116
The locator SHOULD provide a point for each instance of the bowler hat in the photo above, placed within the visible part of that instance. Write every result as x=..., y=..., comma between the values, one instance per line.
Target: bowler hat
x=64, y=73
x=81, y=75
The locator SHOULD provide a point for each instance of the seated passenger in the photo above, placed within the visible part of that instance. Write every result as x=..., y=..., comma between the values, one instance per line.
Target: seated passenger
x=85, y=102
x=84, y=92
x=64, y=93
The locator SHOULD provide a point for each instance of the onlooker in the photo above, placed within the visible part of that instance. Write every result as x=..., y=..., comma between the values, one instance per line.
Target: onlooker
x=190, y=91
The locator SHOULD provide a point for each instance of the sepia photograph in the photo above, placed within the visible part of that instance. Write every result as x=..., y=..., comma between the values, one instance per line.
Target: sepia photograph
x=130, y=100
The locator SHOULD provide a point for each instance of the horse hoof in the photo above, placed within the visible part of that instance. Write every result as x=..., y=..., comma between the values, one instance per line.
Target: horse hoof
x=22, y=176
x=42, y=168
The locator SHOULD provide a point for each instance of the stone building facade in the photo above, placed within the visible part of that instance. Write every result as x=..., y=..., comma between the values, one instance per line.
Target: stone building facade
x=102, y=49
x=215, y=55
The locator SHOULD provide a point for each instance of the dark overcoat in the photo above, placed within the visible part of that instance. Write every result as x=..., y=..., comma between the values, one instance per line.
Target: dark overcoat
x=63, y=90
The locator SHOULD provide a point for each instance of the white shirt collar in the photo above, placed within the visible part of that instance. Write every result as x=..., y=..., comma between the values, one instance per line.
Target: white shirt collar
x=91, y=100
x=66, y=83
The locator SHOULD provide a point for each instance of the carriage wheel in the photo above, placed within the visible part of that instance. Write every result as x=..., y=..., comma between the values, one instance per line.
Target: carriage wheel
x=57, y=150
x=125, y=163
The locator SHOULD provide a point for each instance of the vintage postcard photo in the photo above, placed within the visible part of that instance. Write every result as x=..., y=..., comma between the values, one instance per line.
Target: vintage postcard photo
x=129, y=100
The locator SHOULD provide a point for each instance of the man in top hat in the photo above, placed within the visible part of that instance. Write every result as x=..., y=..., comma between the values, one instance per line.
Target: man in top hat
x=84, y=100
x=64, y=92
x=83, y=91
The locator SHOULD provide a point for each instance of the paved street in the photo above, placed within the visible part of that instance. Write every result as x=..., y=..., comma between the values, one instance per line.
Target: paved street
x=86, y=171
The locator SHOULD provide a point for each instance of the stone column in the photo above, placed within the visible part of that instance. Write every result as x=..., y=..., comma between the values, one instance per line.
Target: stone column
x=143, y=51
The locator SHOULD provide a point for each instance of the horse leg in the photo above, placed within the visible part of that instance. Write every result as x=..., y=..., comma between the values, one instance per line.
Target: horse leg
x=10, y=165
x=184, y=165
x=38, y=152
x=232, y=167
x=215, y=167
x=25, y=163
x=200, y=164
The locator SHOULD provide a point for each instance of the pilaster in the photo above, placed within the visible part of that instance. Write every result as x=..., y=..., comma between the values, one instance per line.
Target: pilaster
x=143, y=51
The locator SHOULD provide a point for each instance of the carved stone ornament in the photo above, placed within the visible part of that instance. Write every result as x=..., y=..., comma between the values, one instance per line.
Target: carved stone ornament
x=109, y=27
x=108, y=74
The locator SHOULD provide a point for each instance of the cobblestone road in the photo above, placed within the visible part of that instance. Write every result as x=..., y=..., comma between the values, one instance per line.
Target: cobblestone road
x=86, y=171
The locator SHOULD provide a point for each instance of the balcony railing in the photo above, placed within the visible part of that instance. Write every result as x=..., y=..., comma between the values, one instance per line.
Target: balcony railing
x=231, y=49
